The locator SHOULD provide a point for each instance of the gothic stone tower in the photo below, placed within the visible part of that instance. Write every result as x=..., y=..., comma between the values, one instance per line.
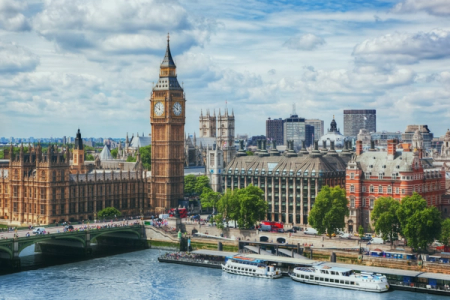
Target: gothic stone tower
x=225, y=136
x=78, y=154
x=167, y=119
x=207, y=124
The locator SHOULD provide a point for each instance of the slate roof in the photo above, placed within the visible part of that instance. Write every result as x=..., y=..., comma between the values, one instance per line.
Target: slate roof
x=109, y=175
x=306, y=165
x=140, y=141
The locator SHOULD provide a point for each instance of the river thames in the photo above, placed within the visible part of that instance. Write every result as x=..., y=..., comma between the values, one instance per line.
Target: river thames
x=139, y=275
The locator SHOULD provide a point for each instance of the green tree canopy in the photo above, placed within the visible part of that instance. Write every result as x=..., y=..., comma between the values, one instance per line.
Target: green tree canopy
x=384, y=216
x=109, y=212
x=253, y=207
x=189, y=184
x=228, y=208
x=131, y=159
x=329, y=210
x=445, y=232
x=420, y=224
x=90, y=157
x=146, y=156
x=114, y=153
x=249, y=153
x=361, y=231
x=201, y=183
x=209, y=198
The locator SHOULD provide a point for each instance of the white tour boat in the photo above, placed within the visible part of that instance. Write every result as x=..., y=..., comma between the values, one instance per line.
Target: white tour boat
x=341, y=277
x=247, y=266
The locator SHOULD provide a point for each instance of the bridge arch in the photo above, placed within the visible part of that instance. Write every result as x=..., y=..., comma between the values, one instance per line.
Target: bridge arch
x=7, y=251
x=65, y=236
x=106, y=232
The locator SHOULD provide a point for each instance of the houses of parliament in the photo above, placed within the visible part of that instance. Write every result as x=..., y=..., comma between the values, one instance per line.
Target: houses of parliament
x=56, y=185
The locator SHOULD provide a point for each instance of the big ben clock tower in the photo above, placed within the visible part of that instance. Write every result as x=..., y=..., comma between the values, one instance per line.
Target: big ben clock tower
x=167, y=118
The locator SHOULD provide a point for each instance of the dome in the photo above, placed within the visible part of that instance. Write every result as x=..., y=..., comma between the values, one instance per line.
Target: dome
x=333, y=134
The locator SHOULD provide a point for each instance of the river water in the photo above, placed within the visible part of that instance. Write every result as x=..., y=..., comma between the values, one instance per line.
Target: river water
x=139, y=275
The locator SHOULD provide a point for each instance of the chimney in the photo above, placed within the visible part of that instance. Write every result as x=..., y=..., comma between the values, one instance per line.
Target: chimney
x=359, y=147
x=391, y=149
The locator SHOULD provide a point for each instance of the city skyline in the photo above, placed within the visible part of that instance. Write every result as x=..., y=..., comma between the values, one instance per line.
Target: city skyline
x=68, y=67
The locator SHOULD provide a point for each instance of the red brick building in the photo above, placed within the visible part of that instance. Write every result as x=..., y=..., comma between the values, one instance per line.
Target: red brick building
x=393, y=173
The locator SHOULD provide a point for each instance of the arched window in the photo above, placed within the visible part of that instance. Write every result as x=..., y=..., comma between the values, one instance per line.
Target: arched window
x=54, y=176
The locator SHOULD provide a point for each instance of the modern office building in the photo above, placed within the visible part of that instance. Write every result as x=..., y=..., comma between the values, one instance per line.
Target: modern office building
x=356, y=119
x=381, y=138
x=294, y=128
x=274, y=130
x=318, y=127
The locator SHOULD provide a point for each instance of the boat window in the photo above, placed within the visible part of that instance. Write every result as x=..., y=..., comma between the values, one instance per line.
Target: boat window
x=326, y=272
x=326, y=279
x=331, y=280
x=316, y=278
x=346, y=282
x=352, y=282
x=302, y=276
x=342, y=282
x=321, y=278
x=332, y=272
x=311, y=277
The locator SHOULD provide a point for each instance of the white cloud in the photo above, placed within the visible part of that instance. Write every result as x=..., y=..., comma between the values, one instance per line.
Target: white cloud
x=11, y=17
x=119, y=26
x=15, y=58
x=306, y=42
x=404, y=48
x=433, y=7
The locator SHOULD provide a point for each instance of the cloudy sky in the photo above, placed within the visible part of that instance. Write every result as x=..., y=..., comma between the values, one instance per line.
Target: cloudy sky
x=91, y=64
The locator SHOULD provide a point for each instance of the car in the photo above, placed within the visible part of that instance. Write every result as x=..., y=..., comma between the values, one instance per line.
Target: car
x=196, y=217
x=39, y=230
x=345, y=236
x=297, y=228
x=366, y=238
x=311, y=231
x=291, y=230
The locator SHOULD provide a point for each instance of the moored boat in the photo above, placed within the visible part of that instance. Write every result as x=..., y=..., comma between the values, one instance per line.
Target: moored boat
x=341, y=278
x=247, y=266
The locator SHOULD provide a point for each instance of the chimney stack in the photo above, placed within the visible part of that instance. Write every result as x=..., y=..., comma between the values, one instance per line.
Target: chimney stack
x=391, y=149
x=359, y=147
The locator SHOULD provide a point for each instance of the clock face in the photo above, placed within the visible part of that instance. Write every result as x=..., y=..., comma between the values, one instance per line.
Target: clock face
x=177, y=109
x=159, y=109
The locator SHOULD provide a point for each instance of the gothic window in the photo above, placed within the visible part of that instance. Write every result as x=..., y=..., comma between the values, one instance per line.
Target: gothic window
x=54, y=194
x=15, y=191
x=16, y=174
x=62, y=175
x=42, y=209
x=42, y=193
x=43, y=175
x=54, y=176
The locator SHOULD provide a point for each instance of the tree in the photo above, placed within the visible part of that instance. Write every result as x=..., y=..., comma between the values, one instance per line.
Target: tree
x=189, y=184
x=228, y=208
x=329, y=210
x=384, y=215
x=209, y=198
x=114, y=153
x=2, y=154
x=90, y=157
x=131, y=159
x=420, y=225
x=109, y=212
x=361, y=231
x=249, y=153
x=201, y=183
x=445, y=232
x=146, y=156
x=253, y=207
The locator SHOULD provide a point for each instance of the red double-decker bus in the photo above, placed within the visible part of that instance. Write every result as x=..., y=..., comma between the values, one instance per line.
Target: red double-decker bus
x=273, y=225
x=182, y=211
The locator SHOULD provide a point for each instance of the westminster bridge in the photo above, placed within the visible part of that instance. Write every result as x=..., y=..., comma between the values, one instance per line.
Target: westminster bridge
x=77, y=243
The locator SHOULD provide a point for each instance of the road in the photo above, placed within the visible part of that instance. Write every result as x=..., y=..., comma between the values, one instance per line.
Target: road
x=60, y=229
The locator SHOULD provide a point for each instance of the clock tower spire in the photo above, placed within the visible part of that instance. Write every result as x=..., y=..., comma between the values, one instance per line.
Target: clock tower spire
x=167, y=119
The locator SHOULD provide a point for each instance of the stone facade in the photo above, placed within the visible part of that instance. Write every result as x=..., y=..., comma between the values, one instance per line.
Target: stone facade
x=43, y=188
x=167, y=119
x=290, y=182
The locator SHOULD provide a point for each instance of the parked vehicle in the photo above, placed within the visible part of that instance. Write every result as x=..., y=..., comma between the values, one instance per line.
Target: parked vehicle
x=39, y=230
x=163, y=216
x=311, y=231
x=376, y=241
x=292, y=230
x=265, y=228
x=366, y=237
x=297, y=228
x=345, y=236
